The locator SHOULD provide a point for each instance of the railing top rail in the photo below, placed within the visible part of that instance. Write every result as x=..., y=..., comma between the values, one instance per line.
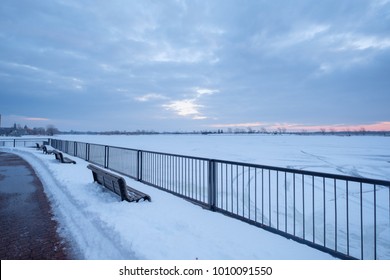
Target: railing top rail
x=123, y=148
x=177, y=155
x=96, y=144
x=275, y=168
x=100, y=145
x=23, y=139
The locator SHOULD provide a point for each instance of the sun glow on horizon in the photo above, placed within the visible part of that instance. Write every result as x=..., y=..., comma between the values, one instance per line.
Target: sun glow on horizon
x=379, y=126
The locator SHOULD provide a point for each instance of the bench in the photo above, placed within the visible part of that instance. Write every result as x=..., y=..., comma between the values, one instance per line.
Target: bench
x=116, y=184
x=39, y=147
x=46, y=151
x=59, y=156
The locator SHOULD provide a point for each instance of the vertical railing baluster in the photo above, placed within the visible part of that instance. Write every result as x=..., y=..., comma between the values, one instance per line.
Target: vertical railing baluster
x=262, y=196
x=313, y=207
x=231, y=188
x=294, y=203
x=226, y=187
x=255, y=194
x=249, y=192
x=237, y=202
x=347, y=211
x=204, y=180
x=324, y=204
x=243, y=191
x=140, y=165
x=285, y=201
x=269, y=198
x=335, y=213
x=375, y=232
x=361, y=223
x=221, y=184
x=303, y=205
x=195, y=178
x=277, y=199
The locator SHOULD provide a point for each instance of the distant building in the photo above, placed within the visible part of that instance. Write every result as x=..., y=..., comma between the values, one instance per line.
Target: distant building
x=8, y=131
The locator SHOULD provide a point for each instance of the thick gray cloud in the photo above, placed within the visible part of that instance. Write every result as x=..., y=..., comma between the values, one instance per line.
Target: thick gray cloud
x=193, y=64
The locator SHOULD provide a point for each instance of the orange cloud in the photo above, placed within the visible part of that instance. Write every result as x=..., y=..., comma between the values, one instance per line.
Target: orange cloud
x=379, y=126
x=36, y=119
x=236, y=125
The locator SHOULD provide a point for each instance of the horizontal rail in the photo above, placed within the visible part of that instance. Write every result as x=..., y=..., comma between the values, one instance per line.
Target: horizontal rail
x=22, y=142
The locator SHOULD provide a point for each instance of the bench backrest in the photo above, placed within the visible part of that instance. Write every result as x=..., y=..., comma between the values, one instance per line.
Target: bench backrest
x=44, y=148
x=58, y=156
x=111, y=181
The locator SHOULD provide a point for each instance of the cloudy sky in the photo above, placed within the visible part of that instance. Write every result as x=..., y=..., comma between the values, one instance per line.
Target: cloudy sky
x=194, y=65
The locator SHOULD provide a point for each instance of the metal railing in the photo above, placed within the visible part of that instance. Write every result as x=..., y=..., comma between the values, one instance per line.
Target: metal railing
x=348, y=217
x=22, y=142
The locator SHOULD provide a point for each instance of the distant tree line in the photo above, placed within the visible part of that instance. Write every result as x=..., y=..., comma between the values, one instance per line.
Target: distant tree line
x=18, y=130
x=249, y=130
x=50, y=130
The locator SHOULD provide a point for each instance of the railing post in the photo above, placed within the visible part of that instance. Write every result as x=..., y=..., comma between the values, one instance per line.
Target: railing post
x=75, y=148
x=106, y=156
x=14, y=143
x=212, y=184
x=87, y=152
x=139, y=165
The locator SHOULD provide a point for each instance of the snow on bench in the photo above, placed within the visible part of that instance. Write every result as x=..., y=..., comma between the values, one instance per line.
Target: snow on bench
x=116, y=184
x=46, y=151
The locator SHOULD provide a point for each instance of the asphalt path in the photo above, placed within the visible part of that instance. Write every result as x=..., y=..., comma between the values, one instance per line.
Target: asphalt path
x=28, y=230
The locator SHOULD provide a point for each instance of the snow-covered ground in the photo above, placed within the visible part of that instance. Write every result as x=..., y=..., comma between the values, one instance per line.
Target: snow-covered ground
x=362, y=156
x=172, y=228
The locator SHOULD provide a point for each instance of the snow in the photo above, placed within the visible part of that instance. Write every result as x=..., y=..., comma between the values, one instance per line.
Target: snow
x=361, y=156
x=103, y=227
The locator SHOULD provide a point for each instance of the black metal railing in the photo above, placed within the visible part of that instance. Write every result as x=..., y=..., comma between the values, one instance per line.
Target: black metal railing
x=22, y=142
x=346, y=216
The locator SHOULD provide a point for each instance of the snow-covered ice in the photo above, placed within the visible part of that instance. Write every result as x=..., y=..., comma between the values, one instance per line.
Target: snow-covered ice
x=361, y=156
x=169, y=227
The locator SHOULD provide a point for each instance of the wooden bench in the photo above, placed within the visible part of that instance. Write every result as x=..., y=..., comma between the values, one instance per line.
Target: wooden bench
x=39, y=147
x=59, y=156
x=116, y=184
x=46, y=151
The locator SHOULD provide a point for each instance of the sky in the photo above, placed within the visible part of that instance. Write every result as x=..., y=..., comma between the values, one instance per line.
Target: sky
x=179, y=65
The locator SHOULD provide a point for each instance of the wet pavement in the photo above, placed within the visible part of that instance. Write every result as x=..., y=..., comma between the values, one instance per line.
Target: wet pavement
x=27, y=228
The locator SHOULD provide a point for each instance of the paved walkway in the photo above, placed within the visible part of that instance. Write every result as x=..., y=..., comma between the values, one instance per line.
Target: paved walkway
x=27, y=230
